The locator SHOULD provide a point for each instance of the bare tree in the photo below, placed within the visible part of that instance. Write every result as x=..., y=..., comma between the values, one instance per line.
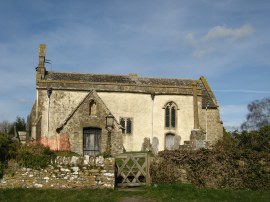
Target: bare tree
x=258, y=116
x=5, y=127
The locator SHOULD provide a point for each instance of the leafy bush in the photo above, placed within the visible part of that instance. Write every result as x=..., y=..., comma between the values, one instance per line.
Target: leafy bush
x=241, y=163
x=254, y=140
x=8, y=147
x=35, y=156
x=2, y=168
x=66, y=153
x=8, y=150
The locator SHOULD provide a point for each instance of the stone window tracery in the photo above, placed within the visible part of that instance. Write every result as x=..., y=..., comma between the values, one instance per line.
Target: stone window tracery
x=170, y=115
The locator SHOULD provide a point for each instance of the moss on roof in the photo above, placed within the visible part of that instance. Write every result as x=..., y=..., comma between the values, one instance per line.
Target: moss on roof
x=208, y=96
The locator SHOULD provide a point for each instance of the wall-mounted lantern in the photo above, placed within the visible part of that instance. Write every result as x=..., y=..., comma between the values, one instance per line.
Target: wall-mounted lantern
x=109, y=127
x=109, y=122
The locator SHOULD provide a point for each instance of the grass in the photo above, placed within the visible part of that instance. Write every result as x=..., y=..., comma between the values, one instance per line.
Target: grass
x=176, y=192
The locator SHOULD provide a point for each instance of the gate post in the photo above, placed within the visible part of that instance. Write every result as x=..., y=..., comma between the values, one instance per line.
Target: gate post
x=148, y=162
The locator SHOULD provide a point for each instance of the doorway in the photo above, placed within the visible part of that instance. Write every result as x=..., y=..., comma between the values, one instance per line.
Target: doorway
x=91, y=141
x=169, y=141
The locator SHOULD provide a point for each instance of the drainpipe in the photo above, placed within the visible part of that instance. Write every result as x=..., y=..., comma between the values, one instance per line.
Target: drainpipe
x=152, y=118
x=49, y=93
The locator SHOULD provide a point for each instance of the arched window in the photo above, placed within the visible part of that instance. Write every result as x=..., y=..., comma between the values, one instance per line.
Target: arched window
x=167, y=117
x=170, y=115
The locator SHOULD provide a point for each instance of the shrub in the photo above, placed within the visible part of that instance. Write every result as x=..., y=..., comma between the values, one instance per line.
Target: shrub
x=224, y=166
x=8, y=147
x=255, y=140
x=8, y=150
x=66, y=153
x=2, y=168
x=35, y=156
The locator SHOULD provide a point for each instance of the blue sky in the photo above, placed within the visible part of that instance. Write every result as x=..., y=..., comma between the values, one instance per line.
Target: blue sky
x=227, y=41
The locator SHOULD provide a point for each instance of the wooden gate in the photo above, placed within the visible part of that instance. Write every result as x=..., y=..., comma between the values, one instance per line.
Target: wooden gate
x=132, y=169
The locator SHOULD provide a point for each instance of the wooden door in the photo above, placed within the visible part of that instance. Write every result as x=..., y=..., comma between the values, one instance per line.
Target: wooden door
x=91, y=141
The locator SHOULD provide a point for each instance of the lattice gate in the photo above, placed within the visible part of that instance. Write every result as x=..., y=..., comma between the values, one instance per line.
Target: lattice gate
x=132, y=169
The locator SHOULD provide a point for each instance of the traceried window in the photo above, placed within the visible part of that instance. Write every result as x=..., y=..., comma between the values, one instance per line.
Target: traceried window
x=127, y=125
x=170, y=115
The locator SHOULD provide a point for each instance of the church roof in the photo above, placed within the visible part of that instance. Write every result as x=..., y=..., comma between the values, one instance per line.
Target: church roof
x=118, y=79
x=208, y=100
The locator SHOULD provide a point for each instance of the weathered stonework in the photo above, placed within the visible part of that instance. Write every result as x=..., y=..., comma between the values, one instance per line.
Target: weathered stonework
x=59, y=118
x=66, y=172
x=214, y=125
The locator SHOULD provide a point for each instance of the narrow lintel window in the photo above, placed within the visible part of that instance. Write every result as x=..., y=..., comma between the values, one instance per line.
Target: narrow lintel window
x=167, y=119
x=173, y=117
x=92, y=108
x=126, y=124
x=170, y=115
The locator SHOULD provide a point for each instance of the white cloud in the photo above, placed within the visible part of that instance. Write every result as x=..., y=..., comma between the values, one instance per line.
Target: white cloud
x=217, y=39
x=190, y=39
x=223, y=32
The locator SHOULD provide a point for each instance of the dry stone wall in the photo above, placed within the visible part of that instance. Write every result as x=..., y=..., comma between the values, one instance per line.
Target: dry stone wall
x=65, y=172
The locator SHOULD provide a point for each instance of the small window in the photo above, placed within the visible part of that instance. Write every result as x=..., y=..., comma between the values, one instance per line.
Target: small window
x=123, y=122
x=170, y=115
x=92, y=108
x=126, y=124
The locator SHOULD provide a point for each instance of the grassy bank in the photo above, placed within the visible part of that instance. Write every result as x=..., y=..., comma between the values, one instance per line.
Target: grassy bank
x=175, y=192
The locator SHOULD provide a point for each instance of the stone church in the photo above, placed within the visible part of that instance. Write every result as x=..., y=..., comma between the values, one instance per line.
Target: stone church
x=93, y=113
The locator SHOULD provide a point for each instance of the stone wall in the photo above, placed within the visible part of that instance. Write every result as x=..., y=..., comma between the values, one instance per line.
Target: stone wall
x=65, y=172
x=214, y=124
x=66, y=115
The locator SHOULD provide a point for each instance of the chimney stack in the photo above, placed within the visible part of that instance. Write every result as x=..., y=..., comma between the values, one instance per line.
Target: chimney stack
x=41, y=70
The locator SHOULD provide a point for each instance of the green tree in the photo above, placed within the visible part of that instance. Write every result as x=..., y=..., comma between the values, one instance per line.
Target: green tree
x=20, y=125
x=8, y=148
x=256, y=140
